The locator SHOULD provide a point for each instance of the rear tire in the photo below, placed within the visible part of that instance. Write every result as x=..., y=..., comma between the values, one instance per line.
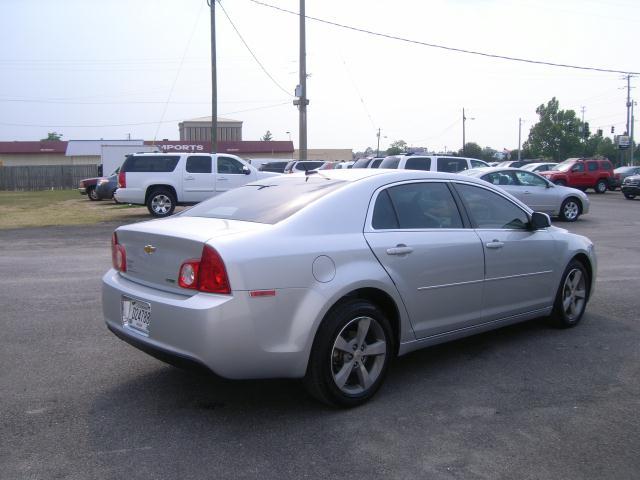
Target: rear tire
x=350, y=356
x=629, y=196
x=161, y=202
x=570, y=210
x=601, y=186
x=571, y=298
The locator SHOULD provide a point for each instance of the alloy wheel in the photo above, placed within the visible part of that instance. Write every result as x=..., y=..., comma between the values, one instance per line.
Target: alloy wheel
x=161, y=204
x=574, y=294
x=358, y=355
x=571, y=211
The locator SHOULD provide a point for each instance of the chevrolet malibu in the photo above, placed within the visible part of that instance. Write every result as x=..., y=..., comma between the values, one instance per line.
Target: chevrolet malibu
x=327, y=276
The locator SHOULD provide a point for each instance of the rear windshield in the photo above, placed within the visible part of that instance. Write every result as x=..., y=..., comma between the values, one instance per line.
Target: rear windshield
x=269, y=202
x=150, y=163
x=302, y=166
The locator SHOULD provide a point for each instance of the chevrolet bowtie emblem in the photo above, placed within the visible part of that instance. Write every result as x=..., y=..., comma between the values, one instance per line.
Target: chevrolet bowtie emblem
x=149, y=249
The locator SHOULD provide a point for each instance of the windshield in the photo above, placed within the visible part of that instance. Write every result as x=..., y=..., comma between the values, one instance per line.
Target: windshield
x=563, y=167
x=390, y=162
x=361, y=163
x=267, y=202
x=530, y=166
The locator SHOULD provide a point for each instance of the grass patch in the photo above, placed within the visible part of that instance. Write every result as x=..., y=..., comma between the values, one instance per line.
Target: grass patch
x=62, y=207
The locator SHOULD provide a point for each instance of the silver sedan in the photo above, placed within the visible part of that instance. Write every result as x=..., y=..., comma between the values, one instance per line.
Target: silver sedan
x=330, y=275
x=536, y=191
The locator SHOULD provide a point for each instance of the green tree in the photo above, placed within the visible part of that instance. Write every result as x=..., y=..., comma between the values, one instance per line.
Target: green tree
x=52, y=137
x=557, y=135
x=471, y=149
x=397, y=147
x=267, y=137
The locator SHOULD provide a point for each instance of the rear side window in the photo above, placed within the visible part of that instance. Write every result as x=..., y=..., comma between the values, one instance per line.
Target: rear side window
x=384, y=217
x=150, y=163
x=452, y=165
x=592, y=166
x=606, y=165
x=199, y=164
x=417, y=163
x=421, y=205
x=376, y=163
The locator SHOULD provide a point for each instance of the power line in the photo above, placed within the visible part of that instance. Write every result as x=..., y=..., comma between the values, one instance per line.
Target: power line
x=251, y=52
x=135, y=102
x=444, y=47
x=137, y=123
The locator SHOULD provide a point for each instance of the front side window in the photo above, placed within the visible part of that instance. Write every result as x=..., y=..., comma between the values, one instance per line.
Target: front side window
x=477, y=164
x=489, y=210
x=229, y=165
x=592, y=166
x=451, y=165
x=530, y=180
x=199, y=164
x=578, y=167
x=416, y=205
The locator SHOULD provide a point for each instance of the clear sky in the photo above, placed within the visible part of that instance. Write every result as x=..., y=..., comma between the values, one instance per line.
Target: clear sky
x=109, y=68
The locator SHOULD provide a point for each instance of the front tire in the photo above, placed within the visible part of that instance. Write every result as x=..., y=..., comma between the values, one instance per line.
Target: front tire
x=350, y=355
x=629, y=196
x=601, y=186
x=92, y=194
x=570, y=210
x=572, y=296
x=161, y=202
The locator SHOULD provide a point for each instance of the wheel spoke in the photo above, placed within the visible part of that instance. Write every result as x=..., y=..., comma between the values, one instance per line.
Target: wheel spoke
x=566, y=304
x=575, y=280
x=363, y=376
x=363, y=329
x=343, y=375
x=377, y=348
x=580, y=294
x=344, y=346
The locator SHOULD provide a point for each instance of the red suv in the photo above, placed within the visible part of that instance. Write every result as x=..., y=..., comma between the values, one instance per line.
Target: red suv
x=583, y=173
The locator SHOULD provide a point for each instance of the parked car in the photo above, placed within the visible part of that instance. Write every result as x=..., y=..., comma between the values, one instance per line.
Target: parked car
x=305, y=165
x=276, y=167
x=413, y=259
x=536, y=191
x=87, y=187
x=583, y=173
x=621, y=173
x=434, y=163
x=631, y=187
x=106, y=186
x=368, y=162
x=162, y=181
x=539, y=166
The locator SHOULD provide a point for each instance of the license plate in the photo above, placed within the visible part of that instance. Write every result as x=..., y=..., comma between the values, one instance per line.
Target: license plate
x=136, y=314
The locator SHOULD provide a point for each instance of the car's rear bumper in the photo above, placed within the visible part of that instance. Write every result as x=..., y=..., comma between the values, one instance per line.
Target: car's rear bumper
x=234, y=336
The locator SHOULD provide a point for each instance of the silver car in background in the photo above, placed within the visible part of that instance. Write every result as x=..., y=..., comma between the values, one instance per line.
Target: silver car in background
x=330, y=275
x=536, y=191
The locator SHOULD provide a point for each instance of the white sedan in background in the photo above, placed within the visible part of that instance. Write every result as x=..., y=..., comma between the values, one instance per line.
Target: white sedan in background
x=536, y=191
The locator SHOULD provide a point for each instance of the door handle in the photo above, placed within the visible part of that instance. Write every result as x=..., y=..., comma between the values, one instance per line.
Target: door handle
x=527, y=192
x=400, y=249
x=495, y=244
x=189, y=178
x=223, y=179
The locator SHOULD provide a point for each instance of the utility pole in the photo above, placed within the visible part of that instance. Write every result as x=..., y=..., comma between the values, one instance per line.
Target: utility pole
x=584, y=138
x=464, y=119
x=631, y=133
x=214, y=83
x=378, y=148
x=519, y=137
x=302, y=107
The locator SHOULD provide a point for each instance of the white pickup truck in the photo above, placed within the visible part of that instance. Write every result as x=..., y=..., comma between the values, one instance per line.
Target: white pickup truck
x=162, y=181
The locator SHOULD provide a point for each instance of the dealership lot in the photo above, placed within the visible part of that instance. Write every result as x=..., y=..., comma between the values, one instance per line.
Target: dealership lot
x=523, y=402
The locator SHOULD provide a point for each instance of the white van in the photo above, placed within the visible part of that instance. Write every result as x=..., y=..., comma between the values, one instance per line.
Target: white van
x=163, y=180
x=433, y=163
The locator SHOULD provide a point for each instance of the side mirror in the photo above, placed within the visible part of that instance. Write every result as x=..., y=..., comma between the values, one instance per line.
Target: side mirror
x=246, y=170
x=540, y=220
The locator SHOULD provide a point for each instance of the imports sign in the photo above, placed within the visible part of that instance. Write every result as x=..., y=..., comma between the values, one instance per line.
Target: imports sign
x=623, y=142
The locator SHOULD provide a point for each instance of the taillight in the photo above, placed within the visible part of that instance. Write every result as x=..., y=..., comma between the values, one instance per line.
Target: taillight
x=118, y=254
x=205, y=275
x=122, y=180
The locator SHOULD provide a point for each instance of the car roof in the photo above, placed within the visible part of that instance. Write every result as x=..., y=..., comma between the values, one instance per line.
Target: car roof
x=477, y=172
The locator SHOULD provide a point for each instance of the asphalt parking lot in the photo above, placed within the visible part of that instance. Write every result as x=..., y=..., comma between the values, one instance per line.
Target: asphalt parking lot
x=525, y=402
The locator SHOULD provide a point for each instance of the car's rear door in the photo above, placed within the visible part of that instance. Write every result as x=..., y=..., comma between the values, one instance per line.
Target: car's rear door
x=198, y=182
x=417, y=232
x=520, y=263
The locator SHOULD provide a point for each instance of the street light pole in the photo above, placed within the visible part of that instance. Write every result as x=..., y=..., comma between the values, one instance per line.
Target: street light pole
x=378, y=147
x=464, y=119
x=519, y=136
x=303, y=87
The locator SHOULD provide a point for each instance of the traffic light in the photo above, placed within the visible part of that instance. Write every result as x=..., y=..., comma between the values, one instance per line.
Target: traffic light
x=613, y=129
x=599, y=132
x=585, y=130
